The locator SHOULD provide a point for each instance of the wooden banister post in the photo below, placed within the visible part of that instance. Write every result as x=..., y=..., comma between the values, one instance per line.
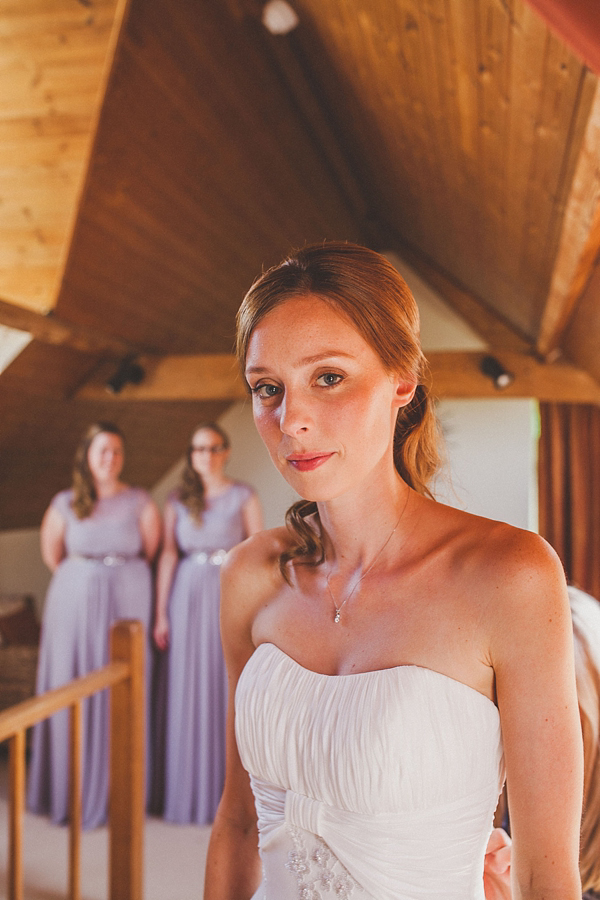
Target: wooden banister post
x=17, y=803
x=127, y=764
x=75, y=736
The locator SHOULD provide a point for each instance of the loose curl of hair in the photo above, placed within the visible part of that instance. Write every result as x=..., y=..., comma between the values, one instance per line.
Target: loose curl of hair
x=365, y=288
x=191, y=490
x=85, y=495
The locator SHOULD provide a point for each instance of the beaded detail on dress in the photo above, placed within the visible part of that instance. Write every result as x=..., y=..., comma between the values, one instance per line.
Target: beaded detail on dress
x=314, y=870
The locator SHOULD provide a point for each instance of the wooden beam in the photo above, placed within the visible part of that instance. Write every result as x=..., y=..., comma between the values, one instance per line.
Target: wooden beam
x=51, y=330
x=497, y=332
x=118, y=23
x=459, y=375
x=207, y=377
x=56, y=60
x=201, y=378
x=579, y=241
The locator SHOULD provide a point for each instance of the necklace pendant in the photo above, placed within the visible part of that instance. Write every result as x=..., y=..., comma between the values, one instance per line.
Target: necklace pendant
x=336, y=618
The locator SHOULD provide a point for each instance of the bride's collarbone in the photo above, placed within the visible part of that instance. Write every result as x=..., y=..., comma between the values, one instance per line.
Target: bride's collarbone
x=378, y=630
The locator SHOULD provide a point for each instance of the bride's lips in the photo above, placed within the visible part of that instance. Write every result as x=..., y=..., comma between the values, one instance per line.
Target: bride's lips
x=306, y=462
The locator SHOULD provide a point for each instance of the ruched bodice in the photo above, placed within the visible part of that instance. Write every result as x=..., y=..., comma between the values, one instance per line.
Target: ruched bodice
x=375, y=785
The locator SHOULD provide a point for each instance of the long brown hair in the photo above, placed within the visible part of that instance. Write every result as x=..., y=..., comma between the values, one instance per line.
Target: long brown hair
x=85, y=495
x=191, y=491
x=586, y=632
x=365, y=288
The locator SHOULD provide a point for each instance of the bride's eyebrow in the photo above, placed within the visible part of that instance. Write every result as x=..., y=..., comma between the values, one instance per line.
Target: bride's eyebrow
x=306, y=360
x=326, y=354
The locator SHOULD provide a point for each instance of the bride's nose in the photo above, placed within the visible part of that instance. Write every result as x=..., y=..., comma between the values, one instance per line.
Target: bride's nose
x=294, y=414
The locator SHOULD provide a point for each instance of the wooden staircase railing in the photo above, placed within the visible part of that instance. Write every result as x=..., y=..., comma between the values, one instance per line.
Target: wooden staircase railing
x=124, y=674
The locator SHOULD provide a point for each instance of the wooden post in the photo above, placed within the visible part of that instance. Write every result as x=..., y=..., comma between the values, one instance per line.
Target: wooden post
x=127, y=764
x=16, y=805
x=76, y=715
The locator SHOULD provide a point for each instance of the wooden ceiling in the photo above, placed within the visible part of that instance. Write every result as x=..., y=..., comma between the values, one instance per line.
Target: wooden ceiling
x=156, y=155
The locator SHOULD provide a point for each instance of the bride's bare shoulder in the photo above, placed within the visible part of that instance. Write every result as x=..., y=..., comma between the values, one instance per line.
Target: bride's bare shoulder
x=250, y=578
x=253, y=565
x=514, y=566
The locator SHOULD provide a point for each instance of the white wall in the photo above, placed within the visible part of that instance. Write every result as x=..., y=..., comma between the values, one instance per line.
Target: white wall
x=491, y=451
x=21, y=568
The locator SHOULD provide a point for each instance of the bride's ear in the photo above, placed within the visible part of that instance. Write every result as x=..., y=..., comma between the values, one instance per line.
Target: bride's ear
x=404, y=391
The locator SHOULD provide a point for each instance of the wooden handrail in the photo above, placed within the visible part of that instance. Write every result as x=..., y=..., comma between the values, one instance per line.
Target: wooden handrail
x=125, y=676
x=29, y=712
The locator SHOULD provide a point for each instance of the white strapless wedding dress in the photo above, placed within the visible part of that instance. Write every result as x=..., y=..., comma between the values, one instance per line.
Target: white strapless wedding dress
x=373, y=786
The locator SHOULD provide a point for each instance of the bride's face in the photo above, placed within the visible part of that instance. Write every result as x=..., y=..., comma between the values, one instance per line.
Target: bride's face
x=323, y=403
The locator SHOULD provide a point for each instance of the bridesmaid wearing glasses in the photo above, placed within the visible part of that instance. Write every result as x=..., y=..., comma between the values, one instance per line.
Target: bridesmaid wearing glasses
x=207, y=515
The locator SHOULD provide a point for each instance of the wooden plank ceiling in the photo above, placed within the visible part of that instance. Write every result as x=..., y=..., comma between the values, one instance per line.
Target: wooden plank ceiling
x=155, y=156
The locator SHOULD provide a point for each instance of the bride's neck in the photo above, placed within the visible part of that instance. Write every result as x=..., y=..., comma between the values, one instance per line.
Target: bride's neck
x=355, y=528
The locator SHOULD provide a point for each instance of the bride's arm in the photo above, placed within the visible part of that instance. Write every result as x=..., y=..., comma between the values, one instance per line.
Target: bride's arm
x=233, y=869
x=532, y=655
x=232, y=865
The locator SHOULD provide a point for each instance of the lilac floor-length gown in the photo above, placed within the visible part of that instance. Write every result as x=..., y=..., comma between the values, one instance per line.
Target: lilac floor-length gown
x=104, y=577
x=197, y=688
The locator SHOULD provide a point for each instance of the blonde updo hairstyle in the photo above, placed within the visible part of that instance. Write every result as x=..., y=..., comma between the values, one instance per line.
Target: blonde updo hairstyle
x=85, y=495
x=365, y=288
x=191, y=490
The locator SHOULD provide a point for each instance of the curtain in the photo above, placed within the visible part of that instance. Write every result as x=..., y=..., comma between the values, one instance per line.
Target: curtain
x=569, y=489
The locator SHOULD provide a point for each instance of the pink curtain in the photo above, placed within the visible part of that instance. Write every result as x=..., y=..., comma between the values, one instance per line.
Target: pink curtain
x=569, y=489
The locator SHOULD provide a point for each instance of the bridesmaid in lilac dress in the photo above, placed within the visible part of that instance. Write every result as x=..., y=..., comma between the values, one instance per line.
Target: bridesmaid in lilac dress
x=204, y=518
x=97, y=539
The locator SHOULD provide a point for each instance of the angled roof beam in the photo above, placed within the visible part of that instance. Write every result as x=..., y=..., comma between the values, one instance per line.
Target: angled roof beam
x=51, y=330
x=579, y=241
x=577, y=23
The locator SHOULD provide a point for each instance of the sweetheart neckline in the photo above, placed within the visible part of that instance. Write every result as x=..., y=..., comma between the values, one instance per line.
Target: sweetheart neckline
x=414, y=666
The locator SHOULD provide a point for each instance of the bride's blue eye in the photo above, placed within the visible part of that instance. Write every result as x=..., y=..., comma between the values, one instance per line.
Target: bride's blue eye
x=329, y=378
x=265, y=391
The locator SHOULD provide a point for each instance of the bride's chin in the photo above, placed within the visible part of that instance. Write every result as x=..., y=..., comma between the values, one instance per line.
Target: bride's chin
x=311, y=493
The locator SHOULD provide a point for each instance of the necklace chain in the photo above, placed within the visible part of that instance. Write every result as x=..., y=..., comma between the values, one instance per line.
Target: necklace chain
x=338, y=609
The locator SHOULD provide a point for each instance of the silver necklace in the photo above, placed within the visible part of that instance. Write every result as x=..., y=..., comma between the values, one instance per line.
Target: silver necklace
x=338, y=609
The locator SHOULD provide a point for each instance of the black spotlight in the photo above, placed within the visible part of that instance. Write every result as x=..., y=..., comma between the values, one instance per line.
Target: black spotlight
x=494, y=369
x=129, y=372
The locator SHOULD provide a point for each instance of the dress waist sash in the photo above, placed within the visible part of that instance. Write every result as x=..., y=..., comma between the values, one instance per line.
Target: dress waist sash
x=204, y=557
x=111, y=559
x=434, y=853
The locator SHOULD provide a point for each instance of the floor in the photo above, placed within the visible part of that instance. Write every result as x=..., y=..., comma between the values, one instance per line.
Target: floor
x=174, y=858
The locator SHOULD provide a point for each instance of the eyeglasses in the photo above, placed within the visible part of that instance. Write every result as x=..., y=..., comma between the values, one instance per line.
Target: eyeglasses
x=216, y=449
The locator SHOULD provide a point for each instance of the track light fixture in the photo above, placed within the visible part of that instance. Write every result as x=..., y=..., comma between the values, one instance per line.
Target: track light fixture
x=128, y=372
x=494, y=369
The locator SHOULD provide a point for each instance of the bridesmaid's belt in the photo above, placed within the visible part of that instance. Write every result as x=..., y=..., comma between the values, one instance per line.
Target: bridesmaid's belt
x=111, y=559
x=216, y=558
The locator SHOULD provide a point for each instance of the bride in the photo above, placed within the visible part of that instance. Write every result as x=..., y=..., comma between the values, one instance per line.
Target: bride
x=389, y=657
